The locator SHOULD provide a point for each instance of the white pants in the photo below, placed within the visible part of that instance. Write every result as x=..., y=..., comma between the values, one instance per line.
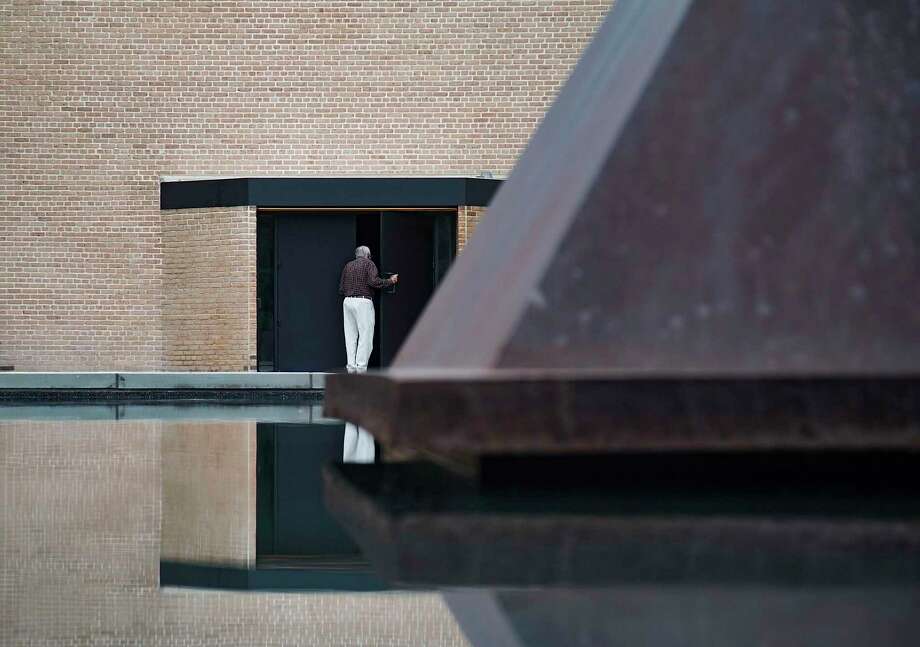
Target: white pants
x=358, y=446
x=358, y=314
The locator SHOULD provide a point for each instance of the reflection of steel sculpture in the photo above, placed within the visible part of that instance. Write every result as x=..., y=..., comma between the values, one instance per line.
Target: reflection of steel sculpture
x=722, y=190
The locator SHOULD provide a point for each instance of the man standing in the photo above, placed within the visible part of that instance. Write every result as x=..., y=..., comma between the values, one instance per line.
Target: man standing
x=358, y=278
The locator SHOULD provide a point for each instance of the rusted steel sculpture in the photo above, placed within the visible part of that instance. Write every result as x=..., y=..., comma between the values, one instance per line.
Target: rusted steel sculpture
x=674, y=376
x=713, y=239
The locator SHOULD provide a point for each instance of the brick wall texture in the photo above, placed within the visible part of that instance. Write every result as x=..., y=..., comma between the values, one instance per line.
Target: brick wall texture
x=209, y=281
x=101, y=98
x=467, y=219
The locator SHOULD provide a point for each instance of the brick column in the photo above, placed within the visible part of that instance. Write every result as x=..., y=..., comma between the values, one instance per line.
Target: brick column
x=467, y=219
x=209, y=276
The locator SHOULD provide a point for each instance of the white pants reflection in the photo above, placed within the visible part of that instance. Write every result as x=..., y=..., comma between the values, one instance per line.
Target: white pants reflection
x=358, y=446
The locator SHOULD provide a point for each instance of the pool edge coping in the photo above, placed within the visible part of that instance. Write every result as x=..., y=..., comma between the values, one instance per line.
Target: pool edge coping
x=54, y=381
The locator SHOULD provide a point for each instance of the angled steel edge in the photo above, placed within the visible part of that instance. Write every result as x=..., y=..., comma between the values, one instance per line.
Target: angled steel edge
x=487, y=412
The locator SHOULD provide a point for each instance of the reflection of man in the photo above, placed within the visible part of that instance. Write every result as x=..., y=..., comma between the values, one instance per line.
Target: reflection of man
x=358, y=446
x=358, y=278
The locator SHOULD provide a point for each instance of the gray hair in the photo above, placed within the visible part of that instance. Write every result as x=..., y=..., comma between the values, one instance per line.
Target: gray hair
x=362, y=252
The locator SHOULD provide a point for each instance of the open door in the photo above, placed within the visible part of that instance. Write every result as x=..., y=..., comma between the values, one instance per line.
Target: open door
x=407, y=248
x=311, y=250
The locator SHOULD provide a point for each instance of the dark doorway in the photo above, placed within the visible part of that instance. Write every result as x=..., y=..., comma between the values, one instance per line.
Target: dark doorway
x=265, y=292
x=309, y=249
x=406, y=248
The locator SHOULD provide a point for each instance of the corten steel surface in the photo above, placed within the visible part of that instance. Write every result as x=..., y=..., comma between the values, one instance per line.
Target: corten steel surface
x=723, y=187
x=421, y=526
x=499, y=412
x=749, y=202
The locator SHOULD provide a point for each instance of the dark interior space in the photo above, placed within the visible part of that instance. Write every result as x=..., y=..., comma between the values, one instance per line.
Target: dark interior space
x=407, y=245
x=265, y=292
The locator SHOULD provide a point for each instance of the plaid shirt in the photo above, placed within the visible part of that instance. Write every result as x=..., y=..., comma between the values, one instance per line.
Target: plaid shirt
x=359, y=276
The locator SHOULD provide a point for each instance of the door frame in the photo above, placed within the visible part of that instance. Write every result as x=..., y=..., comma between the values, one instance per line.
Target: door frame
x=271, y=364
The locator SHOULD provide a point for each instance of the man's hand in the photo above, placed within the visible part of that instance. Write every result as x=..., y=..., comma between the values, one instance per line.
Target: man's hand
x=395, y=279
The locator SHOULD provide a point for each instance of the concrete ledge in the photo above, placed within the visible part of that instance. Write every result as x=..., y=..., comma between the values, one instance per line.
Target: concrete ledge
x=148, y=396
x=161, y=380
x=156, y=380
x=28, y=380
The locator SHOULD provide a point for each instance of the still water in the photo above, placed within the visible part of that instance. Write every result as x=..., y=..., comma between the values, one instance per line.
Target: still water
x=94, y=509
x=185, y=524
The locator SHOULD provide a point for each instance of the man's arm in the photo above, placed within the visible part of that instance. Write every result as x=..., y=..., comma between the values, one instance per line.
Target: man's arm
x=342, y=282
x=374, y=280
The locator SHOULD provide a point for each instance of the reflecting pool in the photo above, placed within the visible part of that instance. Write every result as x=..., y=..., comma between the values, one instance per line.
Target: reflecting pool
x=185, y=524
x=94, y=511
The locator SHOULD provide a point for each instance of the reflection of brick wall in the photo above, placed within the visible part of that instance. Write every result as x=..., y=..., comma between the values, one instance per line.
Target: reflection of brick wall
x=100, y=99
x=80, y=540
x=209, y=493
x=467, y=219
x=209, y=280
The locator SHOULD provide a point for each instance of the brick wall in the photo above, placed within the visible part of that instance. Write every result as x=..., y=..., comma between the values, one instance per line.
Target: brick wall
x=467, y=219
x=102, y=98
x=209, y=281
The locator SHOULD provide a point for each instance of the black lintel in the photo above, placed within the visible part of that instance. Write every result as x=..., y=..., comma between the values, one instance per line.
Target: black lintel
x=370, y=192
x=210, y=576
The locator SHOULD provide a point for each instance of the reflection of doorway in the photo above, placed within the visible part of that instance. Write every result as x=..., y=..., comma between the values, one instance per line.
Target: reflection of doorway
x=298, y=544
x=291, y=518
x=309, y=249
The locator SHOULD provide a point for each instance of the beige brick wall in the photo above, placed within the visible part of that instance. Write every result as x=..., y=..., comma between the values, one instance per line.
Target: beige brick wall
x=100, y=99
x=467, y=219
x=209, y=280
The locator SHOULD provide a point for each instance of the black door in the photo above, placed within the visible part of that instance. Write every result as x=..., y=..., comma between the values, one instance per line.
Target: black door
x=311, y=249
x=407, y=248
